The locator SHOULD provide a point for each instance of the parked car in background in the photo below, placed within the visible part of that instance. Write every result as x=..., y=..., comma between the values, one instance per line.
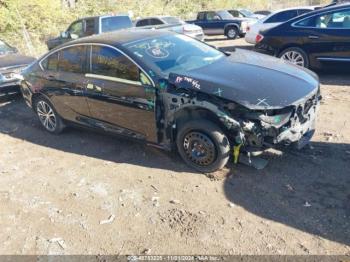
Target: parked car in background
x=171, y=23
x=173, y=91
x=317, y=39
x=91, y=26
x=11, y=64
x=221, y=23
x=263, y=12
x=273, y=20
x=245, y=13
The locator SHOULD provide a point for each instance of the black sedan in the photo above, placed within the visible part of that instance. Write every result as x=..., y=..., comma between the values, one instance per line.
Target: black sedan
x=316, y=39
x=173, y=91
x=11, y=64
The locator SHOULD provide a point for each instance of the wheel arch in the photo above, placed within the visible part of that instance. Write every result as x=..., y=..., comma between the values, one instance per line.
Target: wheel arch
x=35, y=96
x=196, y=112
x=231, y=25
x=289, y=45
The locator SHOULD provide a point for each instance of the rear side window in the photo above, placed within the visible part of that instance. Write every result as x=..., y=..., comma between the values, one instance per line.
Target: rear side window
x=106, y=61
x=72, y=59
x=282, y=16
x=51, y=62
x=143, y=22
x=155, y=21
x=76, y=29
x=113, y=23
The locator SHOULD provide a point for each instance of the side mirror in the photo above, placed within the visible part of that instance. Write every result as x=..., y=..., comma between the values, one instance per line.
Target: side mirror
x=64, y=35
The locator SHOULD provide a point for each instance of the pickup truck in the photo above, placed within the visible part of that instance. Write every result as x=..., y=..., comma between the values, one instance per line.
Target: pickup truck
x=90, y=26
x=221, y=23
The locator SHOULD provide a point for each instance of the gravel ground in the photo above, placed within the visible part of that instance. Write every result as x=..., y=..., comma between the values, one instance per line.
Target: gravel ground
x=88, y=193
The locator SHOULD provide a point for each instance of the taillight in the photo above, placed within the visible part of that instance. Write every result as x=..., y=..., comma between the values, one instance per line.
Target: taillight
x=259, y=38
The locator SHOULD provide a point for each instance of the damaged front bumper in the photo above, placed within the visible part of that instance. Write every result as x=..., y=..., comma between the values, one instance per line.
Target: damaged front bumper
x=295, y=130
x=301, y=133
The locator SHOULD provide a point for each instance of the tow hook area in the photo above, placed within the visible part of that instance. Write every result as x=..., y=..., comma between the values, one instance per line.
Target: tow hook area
x=246, y=157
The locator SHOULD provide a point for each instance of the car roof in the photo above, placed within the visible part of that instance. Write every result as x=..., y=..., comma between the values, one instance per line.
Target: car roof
x=157, y=16
x=98, y=16
x=119, y=37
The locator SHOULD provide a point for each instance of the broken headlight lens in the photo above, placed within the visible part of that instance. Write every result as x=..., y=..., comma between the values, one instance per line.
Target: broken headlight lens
x=275, y=118
x=278, y=119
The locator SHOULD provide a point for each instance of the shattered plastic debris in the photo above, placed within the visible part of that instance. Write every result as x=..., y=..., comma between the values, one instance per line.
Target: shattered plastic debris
x=108, y=221
x=290, y=188
x=307, y=204
x=59, y=241
x=146, y=251
x=231, y=205
x=174, y=201
x=155, y=201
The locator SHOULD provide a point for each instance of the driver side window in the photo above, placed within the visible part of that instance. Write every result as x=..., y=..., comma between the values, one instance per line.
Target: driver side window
x=76, y=29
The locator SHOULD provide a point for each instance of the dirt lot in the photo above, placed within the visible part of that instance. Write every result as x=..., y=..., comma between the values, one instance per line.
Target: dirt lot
x=87, y=193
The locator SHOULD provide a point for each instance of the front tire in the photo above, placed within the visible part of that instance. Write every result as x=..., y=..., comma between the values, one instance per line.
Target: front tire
x=296, y=56
x=48, y=116
x=203, y=145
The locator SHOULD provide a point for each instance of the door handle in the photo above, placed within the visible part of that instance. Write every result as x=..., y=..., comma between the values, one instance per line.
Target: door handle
x=313, y=37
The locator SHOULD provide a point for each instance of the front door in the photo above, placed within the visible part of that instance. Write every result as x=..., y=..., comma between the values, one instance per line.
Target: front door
x=119, y=94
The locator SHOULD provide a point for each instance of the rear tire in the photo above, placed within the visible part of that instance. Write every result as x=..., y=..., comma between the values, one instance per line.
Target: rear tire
x=296, y=56
x=232, y=32
x=203, y=145
x=48, y=116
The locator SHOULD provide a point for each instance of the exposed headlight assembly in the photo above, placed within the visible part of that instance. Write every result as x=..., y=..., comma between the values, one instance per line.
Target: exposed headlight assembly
x=276, y=120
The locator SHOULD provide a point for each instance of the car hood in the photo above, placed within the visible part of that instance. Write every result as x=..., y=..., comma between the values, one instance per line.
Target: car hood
x=14, y=60
x=253, y=80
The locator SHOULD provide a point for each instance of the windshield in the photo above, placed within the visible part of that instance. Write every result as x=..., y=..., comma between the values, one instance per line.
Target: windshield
x=114, y=23
x=174, y=53
x=225, y=15
x=5, y=48
x=172, y=20
x=246, y=12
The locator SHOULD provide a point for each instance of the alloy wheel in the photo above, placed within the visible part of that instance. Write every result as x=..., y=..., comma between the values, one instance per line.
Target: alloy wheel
x=199, y=148
x=294, y=57
x=46, y=115
x=231, y=33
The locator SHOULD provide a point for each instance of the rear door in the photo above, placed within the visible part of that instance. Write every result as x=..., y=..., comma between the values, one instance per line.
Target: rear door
x=120, y=95
x=65, y=75
x=326, y=37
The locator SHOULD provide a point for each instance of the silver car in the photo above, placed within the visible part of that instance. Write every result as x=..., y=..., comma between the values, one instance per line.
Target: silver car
x=171, y=23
